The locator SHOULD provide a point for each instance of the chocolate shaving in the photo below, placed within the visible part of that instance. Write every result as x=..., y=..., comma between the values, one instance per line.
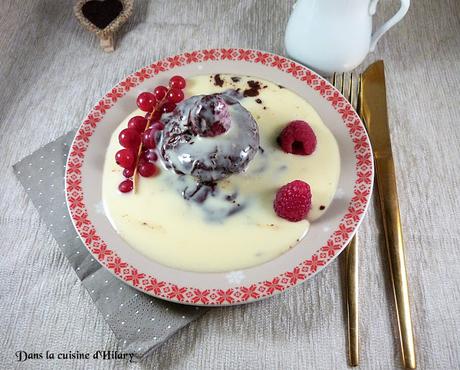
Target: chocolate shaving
x=218, y=81
x=254, y=87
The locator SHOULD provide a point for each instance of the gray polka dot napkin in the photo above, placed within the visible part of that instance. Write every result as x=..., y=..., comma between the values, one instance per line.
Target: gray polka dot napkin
x=139, y=321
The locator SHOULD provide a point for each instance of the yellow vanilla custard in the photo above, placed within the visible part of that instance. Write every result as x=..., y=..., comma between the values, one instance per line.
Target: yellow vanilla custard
x=158, y=222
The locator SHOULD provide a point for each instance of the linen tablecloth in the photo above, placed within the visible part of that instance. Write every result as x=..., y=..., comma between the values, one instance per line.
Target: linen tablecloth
x=52, y=72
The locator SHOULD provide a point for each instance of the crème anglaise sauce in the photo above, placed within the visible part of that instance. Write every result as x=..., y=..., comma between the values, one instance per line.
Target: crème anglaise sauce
x=235, y=227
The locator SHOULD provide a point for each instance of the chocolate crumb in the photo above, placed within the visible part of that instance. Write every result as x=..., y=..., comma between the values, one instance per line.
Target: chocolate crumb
x=218, y=81
x=231, y=197
x=259, y=101
x=281, y=86
x=265, y=108
x=321, y=208
x=254, y=87
x=236, y=79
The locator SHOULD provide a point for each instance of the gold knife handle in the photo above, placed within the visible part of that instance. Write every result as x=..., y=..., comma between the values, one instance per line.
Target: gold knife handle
x=352, y=301
x=388, y=195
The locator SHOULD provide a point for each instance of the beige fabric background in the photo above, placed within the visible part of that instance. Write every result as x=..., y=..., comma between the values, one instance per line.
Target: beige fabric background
x=52, y=72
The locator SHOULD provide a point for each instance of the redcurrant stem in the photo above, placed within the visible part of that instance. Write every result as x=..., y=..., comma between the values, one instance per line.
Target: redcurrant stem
x=149, y=120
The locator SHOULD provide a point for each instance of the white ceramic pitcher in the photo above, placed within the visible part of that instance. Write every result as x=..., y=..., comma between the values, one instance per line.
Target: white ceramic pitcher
x=335, y=35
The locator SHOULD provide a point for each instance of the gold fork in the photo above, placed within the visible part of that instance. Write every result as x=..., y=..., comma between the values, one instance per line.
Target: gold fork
x=348, y=85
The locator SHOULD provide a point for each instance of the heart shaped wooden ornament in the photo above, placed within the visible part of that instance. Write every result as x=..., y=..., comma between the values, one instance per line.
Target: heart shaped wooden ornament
x=104, y=18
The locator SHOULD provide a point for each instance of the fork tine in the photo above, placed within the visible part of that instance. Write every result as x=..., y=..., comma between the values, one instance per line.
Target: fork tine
x=354, y=90
x=348, y=86
x=350, y=92
x=339, y=83
x=358, y=92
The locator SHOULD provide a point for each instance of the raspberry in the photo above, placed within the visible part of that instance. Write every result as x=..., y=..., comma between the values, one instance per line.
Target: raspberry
x=297, y=138
x=293, y=201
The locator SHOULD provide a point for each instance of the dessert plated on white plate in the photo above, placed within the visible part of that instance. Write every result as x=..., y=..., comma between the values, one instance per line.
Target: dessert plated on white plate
x=209, y=206
x=246, y=176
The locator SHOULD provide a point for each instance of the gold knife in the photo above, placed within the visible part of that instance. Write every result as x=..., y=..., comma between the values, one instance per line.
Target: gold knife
x=374, y=113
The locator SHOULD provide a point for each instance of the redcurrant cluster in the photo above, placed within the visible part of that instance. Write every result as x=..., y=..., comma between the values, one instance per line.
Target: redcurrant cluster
x=139, y=138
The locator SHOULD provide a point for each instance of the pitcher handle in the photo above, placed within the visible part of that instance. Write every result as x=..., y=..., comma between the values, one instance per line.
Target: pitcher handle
x=389, y=23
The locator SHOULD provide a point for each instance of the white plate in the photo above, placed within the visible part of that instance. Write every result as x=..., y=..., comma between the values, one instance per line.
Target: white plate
x=327, y=236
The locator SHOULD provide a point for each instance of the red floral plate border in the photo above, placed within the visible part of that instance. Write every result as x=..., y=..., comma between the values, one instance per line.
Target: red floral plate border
x=239, y=294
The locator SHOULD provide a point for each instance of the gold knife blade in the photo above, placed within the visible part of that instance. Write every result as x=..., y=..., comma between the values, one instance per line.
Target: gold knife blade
x=374, y=113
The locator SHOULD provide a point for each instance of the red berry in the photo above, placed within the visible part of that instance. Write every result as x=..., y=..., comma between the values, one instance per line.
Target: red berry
x=146, y=101
x=148, y=138
x=175, y=95
x=177, y=82
x=137, y=123
x=298, y=138
x=293, y=201
x=147, y=169
x=126, y=186
x=160, y=92
x=129, y=138
x=125, y=158
x=168, y=107
x=149, y=155
x=128, y=172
